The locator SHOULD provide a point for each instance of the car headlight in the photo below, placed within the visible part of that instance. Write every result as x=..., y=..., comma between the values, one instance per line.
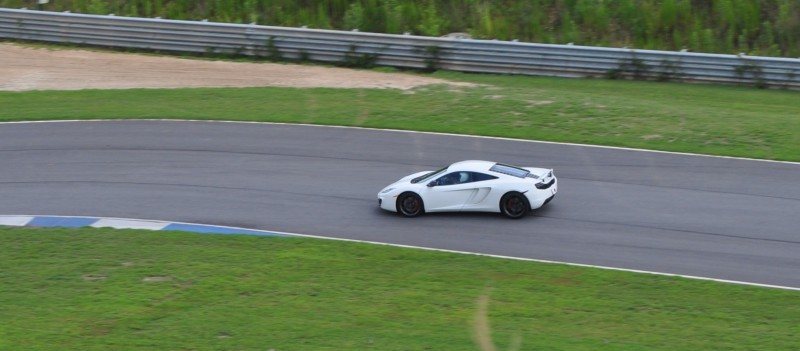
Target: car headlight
x=384, y=191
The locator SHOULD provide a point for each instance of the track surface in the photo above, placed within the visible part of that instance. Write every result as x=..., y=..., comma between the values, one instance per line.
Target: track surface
x=703, y=216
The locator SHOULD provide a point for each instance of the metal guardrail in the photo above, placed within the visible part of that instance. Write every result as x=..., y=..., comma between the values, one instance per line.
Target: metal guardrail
x=407, y=51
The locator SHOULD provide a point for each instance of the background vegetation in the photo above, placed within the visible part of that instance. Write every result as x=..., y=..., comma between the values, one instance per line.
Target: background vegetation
x=759, y=27
x=101, y=289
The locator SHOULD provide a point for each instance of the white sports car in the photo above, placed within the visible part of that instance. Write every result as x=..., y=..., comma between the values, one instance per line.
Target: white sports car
x=480, y=186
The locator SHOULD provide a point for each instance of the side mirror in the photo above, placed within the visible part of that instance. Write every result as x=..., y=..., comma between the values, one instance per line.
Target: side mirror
x=432, y=184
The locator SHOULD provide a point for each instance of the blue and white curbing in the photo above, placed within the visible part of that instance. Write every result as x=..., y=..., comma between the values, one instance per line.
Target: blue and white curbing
x=124, y=223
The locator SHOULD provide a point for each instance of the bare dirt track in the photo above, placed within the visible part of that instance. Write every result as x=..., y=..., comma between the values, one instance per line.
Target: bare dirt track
x=25, y=67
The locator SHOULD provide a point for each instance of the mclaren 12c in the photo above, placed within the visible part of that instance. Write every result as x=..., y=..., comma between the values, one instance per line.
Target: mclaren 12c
x=471, y=186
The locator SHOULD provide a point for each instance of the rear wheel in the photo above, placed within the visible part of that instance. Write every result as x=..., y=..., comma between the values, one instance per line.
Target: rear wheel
x=410, y=205
x=514, y=205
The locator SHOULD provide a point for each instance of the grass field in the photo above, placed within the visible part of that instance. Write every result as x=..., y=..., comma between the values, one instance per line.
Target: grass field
x=101, y=289
x=719, y=120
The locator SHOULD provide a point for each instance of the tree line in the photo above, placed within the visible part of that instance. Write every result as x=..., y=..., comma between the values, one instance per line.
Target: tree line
x=756, y=27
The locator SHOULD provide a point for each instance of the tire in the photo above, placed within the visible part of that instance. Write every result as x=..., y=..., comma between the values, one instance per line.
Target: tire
x=514, y=205
x=410, y=205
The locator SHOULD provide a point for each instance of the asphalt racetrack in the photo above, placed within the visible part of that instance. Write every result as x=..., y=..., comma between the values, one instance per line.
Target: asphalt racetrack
x=702, y=216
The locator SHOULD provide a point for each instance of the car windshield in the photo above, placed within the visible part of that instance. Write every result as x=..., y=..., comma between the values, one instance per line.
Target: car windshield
x=510, y=170
x=427, y=176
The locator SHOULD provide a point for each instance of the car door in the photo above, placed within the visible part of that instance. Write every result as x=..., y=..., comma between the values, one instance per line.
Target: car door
x=482, y=185
x=449, y=192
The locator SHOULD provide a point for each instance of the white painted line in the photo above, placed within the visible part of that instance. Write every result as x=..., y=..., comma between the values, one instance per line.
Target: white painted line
x=727, y=281
x=129, y=224
x=549, y=262
x=16, y=221
x=415, y=132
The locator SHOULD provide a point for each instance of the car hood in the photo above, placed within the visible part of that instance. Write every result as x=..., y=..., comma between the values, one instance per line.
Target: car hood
x=405, y=180
x=412, y=176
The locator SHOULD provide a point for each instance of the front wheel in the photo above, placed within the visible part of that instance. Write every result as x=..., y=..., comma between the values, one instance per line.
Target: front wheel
x=514, y=205
x=410, y=205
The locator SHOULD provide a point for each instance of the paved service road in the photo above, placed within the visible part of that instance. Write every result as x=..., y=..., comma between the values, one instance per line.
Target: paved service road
x=702, y=216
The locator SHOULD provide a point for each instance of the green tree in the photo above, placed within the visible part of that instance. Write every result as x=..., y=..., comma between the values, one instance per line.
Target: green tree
x=432, y=24
x=734, y=25
x=354, y=17
x=99, y=7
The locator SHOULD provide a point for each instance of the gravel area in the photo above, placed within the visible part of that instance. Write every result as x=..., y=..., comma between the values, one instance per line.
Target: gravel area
x=25, y=67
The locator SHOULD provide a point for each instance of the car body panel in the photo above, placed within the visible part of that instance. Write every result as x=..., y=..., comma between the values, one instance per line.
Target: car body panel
x=472, y=196
x=447, y=197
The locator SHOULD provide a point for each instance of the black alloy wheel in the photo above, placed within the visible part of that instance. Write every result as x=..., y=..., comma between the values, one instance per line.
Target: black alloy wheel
x=410, y=205
x=514, y=205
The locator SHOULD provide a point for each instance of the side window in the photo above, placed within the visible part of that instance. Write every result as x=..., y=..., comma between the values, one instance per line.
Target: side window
x=462, y=178
x=448, y=179
x=455, y=178
x=477, y=177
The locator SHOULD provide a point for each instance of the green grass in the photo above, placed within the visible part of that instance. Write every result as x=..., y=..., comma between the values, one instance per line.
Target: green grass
x=85, y=289
x=709, y=119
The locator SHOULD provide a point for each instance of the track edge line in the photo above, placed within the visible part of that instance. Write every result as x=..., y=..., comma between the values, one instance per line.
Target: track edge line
x=410, y=132
x=280, y=233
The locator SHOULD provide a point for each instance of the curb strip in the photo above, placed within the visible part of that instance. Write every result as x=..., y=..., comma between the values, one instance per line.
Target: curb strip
x=123, y=223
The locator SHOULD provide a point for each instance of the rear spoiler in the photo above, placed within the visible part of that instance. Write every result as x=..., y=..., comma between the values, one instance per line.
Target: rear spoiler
x=546, y=174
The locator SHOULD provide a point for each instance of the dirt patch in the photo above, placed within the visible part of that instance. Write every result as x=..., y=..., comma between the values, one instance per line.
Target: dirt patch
x=93, y=277
x=482, y=332
x=156, y=279
x=30, y=68
x=533, y=103
x=651, y=136
x=481, y=329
